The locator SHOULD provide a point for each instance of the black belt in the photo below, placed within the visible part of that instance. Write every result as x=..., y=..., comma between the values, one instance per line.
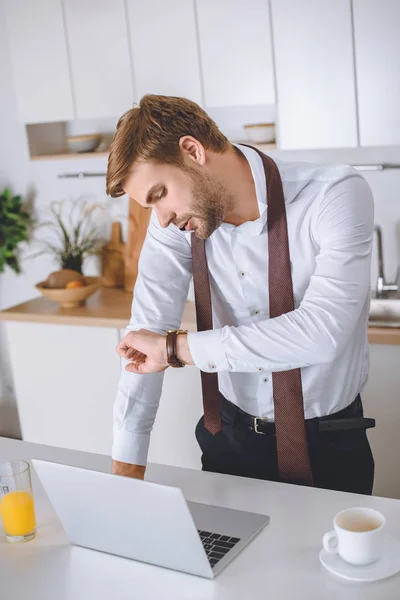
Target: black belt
x=350, y=417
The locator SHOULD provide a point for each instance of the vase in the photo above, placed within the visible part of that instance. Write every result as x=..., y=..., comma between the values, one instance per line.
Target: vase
x=74, y=263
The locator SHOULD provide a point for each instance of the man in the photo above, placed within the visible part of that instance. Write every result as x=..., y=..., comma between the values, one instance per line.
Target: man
x=282, y=251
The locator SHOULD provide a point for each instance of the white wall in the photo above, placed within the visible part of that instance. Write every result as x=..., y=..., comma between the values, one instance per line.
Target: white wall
x=40, y=178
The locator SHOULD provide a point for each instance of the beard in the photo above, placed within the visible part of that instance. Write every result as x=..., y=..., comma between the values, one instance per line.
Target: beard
x=211, y=200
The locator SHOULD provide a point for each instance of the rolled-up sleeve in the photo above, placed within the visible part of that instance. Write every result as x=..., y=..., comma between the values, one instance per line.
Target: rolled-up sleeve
x=339, y=289
x=159, y=297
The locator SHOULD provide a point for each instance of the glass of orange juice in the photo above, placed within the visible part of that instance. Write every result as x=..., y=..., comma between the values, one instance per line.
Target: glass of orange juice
x=17, y=510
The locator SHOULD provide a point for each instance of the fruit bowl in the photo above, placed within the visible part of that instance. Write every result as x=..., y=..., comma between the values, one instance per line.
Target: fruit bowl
x=70, y=298
x=84, y=143
x=261, y=133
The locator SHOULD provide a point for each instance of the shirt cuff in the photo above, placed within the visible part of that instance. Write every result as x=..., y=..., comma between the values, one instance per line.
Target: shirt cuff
x=130, y=447
x=207, y=350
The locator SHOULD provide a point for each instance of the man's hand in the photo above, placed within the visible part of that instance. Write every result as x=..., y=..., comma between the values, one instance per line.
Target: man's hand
x=147, y=351
x=135, y=471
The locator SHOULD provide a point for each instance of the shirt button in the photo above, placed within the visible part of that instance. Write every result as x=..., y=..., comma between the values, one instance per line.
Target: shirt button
x=260, y=368
x=265, y=379
x=241, y=273
x=255, y=312
x=212, y=366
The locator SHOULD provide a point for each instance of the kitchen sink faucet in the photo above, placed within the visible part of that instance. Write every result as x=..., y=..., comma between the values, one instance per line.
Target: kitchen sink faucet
x=382, y=287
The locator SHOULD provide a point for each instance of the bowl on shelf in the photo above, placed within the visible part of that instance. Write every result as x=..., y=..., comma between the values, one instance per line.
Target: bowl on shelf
x=72, y=297
x=84, y=143
x=261, y=133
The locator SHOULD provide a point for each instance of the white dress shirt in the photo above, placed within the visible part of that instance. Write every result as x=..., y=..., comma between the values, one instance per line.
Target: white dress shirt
x=330, y=226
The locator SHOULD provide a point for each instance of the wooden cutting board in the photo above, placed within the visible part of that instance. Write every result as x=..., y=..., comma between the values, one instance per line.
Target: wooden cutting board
x=137, y=228
x=113, y=259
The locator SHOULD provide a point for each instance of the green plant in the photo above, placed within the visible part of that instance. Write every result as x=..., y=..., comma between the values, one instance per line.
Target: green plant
x=74, y=236
x=15, y=225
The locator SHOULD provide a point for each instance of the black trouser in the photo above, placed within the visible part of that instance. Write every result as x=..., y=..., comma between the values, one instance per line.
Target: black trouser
x=340, y=460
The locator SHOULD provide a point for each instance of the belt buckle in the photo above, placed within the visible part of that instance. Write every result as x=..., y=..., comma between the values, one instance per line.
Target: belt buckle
x=255, y=425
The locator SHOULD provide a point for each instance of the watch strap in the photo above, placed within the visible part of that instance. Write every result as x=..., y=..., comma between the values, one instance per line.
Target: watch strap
x=172, y=357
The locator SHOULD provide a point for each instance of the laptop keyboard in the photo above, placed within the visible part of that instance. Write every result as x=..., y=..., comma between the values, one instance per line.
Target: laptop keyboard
x=216, y=545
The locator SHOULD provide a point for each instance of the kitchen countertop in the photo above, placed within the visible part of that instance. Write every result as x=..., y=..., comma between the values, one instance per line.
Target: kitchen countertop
x=281, y=562
x=110, y=307
x=384, y=335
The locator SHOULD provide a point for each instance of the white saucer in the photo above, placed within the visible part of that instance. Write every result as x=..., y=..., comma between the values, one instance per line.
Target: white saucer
x=385, y=567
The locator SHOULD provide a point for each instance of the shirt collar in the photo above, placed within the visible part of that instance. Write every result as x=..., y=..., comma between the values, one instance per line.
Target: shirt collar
x=258, y=173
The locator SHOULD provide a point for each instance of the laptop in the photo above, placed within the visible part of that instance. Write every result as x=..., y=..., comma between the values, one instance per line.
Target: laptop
x=145, y=521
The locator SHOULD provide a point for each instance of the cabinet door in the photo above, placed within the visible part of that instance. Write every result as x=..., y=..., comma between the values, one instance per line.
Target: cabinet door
x=377, y=49
x=164, y=48
x=100, y=63
x=65, y=394
x=381, y=402
x=39, y=60
x=236, y=53
x=315, y=73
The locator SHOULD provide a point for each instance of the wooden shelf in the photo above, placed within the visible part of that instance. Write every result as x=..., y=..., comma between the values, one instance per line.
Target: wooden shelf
x=69, y=155
x=104, y=153
x=261, y=147
x=108, y=307
x=384, y=335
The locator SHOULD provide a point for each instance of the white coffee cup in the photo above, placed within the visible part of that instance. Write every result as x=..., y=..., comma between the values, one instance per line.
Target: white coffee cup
x=357, y=535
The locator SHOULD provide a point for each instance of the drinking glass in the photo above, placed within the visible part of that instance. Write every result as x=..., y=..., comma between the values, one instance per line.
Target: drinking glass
x=17, y=509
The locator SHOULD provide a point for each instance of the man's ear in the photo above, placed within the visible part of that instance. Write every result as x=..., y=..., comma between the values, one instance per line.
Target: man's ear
x=192, y=149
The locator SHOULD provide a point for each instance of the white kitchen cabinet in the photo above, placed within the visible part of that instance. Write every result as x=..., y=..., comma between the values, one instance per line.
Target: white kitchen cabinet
x=164, y=48
x=236, y=52
x=39, y=60
x=377, y=53
x=99, y=51
x=381, y=402
x=315, y=73
x=66, y=381
x=65, y=391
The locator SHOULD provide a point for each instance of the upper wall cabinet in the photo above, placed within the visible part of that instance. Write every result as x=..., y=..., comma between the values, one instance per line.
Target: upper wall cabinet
x=164, y=48
x=39, y=60
x=236, y=52
x=315, y=73
x=99, y=52
x=377, y=50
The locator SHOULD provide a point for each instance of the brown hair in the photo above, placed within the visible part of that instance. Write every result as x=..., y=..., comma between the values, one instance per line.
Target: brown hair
x=151, y=132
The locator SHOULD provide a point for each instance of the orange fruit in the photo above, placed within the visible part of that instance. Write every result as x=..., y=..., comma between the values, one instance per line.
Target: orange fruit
x=74, y=284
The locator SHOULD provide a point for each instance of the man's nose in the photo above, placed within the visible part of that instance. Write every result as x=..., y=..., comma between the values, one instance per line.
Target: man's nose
x=165, y=218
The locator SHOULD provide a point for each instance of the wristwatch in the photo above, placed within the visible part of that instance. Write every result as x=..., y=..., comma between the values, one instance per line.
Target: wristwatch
x=172, y=357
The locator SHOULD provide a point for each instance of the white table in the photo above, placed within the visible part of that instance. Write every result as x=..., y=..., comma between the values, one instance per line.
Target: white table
x=281, y=563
